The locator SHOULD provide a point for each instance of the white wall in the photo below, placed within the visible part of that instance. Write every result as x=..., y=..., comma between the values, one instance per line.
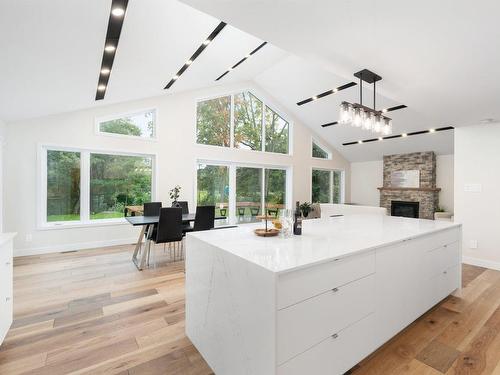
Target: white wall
x=177, y=155
x=367, y=176
x=2, y=141
x=477, y=192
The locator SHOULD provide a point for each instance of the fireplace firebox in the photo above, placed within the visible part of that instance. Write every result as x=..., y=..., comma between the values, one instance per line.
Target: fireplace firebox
x=405, y=209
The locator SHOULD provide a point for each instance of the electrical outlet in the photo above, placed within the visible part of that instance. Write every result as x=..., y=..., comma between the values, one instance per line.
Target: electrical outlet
x=473, y=244
x=29, y=237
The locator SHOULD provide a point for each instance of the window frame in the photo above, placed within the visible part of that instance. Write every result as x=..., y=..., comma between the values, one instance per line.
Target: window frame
x=117, y=116
x=332, y=191
x=320, y=145
x=265, y=102
x=85, y=220
x=232, y=166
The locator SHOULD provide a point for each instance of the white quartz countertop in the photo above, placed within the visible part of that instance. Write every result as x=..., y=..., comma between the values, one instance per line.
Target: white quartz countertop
x=322, y=239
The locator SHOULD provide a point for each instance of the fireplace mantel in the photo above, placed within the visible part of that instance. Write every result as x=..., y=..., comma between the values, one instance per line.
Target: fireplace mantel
x=408, y=189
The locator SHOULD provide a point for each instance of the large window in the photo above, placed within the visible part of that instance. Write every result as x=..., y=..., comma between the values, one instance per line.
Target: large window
x=63, y=186
x=242, y=121
x=319, y=151
x=117, y=181
x=213, y=122
x=327, y=186
x=213, y=187
x=242, y=197
x=82, y=186
x=141, y=125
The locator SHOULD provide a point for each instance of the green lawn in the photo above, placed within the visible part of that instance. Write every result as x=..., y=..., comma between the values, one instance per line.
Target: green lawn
x=76, y=217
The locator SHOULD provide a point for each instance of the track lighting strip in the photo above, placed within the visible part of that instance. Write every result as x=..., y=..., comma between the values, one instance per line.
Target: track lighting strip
x=115, y=23
x=197, y=53
x=326, y=93
x=330, y=124
x=241, y=61
x=403, y=135
x=394, y=108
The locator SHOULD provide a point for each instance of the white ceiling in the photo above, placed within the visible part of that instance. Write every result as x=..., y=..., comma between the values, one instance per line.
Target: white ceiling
x=439, y=58
x=52, y=49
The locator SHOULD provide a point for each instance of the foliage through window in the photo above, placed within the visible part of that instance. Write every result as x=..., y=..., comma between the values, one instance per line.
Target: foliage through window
x=63, y=186
x=319, y=152
x=213, y=187
x=117, y=181
x=83, y=186
x=326, y=186
x=253, y=186
x=141, y=125
x=255, y=126
x=213, y=122
x=247, y=122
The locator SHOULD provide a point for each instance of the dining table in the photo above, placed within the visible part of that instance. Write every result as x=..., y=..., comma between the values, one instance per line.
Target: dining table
x=147, y=224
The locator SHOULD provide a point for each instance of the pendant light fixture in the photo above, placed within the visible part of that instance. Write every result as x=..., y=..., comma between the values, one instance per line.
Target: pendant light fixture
x=361, y=116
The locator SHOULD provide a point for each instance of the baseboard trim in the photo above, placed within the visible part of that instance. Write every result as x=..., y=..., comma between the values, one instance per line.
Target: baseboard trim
x=72, y=247
x=481, y=263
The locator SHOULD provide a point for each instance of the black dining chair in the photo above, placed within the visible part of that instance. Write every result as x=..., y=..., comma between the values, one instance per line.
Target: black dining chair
x=169, y=228
x=204, y=219
x=152, y=208
x=184, y=205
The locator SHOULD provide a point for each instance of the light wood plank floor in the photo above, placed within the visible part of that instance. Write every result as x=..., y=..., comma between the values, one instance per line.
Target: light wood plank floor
x=92, y=312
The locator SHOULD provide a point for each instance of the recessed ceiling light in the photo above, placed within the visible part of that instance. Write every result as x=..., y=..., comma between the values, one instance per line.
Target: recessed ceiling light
x=314, y=97
x=432, y=130
x=101, y=87
x=404, y=135
x=189, y=62
x=380, y=138
x=109, y=48
x=118, y=12
x=105, y=71
x=335, y=90
x=384, y=110
x=206, y=42
x=229, y=69
x=360, y=142
x=247, y=56
x=175, y=77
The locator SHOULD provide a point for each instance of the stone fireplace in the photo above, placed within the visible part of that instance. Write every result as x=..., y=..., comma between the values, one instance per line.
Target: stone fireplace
x=426, y=194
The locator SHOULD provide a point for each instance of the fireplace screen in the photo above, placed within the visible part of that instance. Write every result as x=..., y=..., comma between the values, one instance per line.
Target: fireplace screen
x=405, y=209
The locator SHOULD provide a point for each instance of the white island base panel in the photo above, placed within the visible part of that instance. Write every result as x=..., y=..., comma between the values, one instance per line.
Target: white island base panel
x=318, y=303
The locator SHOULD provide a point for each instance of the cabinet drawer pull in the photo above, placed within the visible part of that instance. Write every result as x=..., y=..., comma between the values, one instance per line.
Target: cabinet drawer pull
x=334, y=336
x=335, y=290
x=445, y=272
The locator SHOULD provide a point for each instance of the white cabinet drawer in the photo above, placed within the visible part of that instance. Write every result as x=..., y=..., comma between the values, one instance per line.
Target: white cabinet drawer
x=296, y=286
x=442, y=258
x=438, y=239
x=336, y=354
x=303, y=325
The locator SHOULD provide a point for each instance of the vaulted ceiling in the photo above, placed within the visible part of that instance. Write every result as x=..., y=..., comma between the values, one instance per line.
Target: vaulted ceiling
x=438, y=58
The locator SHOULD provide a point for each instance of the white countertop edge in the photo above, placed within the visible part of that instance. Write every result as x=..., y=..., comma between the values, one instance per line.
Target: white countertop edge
x=4, y=237
x=359, y=251
x=450, y=225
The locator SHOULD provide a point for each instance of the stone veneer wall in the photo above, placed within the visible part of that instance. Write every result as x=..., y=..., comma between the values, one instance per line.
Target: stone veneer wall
x=426, y=163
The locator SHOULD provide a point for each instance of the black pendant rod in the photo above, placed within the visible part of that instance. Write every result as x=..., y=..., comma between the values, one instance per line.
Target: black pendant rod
x=374, y=90
x=361, y=89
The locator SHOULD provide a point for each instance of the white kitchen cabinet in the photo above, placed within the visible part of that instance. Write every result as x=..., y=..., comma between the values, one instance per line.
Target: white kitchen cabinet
x=6, y=283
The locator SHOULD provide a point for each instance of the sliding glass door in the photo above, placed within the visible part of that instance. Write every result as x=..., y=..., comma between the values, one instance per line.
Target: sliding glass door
x=240, y=192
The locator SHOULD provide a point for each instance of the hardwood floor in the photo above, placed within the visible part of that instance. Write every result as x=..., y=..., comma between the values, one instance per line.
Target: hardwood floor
x=92, y=312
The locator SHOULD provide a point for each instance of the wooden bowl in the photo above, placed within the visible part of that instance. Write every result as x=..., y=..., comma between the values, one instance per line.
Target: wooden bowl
x=268, y=233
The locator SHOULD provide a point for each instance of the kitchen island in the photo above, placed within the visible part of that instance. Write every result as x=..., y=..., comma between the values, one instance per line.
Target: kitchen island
x=317, y=303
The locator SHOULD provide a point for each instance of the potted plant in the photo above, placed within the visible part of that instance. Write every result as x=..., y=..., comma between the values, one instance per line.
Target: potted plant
x=174, y=195
x=441, y=214
x=305, y=208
